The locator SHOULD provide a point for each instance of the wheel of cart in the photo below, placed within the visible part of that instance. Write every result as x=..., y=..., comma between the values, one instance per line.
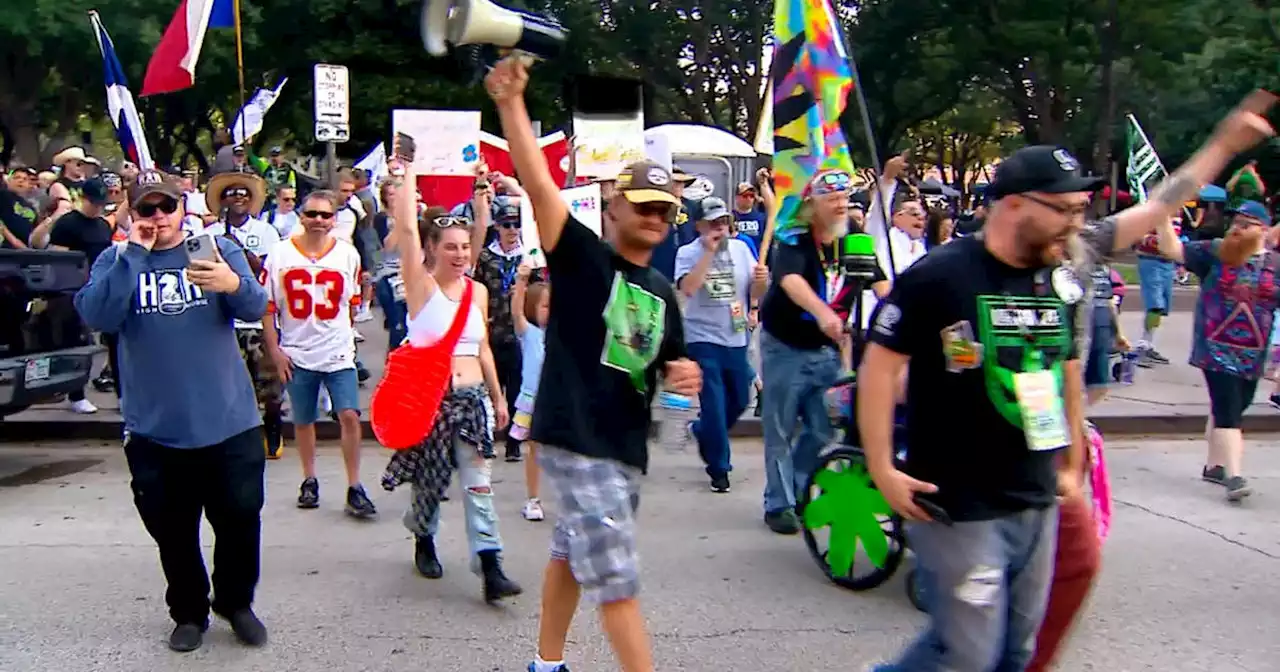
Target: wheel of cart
x=851, y=532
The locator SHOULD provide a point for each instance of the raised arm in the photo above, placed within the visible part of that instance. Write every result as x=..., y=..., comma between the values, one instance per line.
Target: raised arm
x=1240, y=131
x=506, y=84
x=418, y=283
x=518, y=317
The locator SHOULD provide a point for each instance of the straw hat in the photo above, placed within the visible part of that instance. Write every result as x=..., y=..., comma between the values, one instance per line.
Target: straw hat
x=222, y=181
x=70, y=154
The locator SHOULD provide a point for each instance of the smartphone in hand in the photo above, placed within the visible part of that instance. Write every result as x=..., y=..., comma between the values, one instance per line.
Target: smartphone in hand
x=201, y=248
x=405, y=149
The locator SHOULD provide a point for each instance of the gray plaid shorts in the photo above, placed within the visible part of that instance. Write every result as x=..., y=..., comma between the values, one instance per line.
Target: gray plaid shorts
x=596, y=523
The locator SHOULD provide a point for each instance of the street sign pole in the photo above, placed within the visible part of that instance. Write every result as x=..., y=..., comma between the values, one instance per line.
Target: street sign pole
x=332, y=113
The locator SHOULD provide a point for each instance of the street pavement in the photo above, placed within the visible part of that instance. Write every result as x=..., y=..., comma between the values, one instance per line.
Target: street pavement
x=1164, y=400
x=1188, y=580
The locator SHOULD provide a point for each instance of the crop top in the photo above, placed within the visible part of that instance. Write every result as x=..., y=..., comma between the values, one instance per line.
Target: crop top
x=431, y=323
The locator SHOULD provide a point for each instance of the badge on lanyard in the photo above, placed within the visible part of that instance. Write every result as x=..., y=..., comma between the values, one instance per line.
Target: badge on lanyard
x=1044, y=419
x=737, y=317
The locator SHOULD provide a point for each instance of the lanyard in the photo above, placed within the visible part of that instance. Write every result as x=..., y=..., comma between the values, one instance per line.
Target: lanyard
x=508, y=268
x=833, y=279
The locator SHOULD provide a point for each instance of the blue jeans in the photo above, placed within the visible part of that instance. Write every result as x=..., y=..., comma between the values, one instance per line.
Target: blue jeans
x=481, y=518
x=726, y=389
x=394, y=313
x=795, y=385
x=988, y=585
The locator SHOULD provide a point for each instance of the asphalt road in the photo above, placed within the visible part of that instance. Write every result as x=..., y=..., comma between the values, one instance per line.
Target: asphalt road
x=1188, y=584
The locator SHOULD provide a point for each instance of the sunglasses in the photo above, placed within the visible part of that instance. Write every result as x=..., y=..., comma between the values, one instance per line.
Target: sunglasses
x=287, y=199
x=833, y=182
x=450, y=220
x=646, y=209
x=317, y=214
x=147, y=210
x=510, y=224
x=235, y=192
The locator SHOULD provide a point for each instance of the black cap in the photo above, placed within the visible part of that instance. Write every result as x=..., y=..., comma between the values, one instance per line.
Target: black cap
x=505, y=210
x=1044, y=168
x=154, y=182
x=94, y=190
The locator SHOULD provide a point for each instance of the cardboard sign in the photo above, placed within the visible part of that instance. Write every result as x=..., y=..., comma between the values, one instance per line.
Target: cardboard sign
x=603, y=146
x=584, y=204
x=448, y=141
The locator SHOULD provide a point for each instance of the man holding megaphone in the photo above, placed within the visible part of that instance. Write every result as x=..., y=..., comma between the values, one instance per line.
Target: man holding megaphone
x=614, y=327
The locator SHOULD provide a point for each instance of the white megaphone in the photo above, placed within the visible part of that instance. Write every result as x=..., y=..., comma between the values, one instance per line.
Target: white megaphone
x=459, y=22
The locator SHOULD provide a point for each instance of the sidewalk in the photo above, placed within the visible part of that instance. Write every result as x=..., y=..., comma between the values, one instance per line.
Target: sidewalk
x=1166, y=400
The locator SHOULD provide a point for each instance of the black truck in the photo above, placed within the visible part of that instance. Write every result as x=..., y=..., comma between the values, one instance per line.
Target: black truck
x=45, y=349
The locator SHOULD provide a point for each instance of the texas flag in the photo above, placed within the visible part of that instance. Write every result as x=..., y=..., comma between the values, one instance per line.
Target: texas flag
x=124, y=115
x=173, y=65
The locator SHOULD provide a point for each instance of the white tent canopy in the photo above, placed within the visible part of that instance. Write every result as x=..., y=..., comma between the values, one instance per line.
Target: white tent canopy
x=698, y=139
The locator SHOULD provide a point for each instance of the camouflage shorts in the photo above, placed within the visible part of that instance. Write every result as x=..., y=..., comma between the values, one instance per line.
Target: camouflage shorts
x=266, y=384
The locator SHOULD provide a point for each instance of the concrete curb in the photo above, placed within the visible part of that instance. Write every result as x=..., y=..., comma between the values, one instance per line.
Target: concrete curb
x=32, y=431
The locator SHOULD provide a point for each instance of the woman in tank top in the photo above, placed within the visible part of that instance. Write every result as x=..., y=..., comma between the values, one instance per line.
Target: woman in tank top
x=462, y=437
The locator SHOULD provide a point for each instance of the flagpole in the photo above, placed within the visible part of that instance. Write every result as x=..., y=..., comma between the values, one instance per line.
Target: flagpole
x=1143, y=134
x=240, y=62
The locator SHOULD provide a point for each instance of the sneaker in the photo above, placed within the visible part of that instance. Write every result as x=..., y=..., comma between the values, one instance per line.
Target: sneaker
x=783, y=522
x=186, y=637
x=363, y=314
x=720, y=484
x=533, y=667
x=1275, y=401
x=83, y=407
x=249, y=630
x=358, y=503
x=1215, y=474
x=532, y=510
x=1153, y=355
x=1237, y=488
x=309, y=494
x=104, y=383
x=514, y=455
x=275, y=445
x=359, y=336
x=362, y=374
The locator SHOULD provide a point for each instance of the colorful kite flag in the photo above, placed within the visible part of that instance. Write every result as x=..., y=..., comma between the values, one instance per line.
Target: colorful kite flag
x=812, y=80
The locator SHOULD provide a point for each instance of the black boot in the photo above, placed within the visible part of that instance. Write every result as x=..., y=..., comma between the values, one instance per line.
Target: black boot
x=496, y=584
x=424, y=557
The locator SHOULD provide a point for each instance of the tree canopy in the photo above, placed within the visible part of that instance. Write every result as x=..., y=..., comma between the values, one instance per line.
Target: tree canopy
x=960, y=80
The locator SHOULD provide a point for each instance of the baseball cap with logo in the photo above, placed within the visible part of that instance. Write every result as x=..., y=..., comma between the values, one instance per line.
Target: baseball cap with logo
x=1252, y=209
x=714, y=208
x=647, y=182
x=1047, y=169
x=154, y=182
x=505, y=209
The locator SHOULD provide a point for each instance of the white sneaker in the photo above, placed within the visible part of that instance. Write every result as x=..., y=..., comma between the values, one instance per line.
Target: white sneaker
x=363, y=315
x=359, y=336
x=532, y=510
x=83, y=407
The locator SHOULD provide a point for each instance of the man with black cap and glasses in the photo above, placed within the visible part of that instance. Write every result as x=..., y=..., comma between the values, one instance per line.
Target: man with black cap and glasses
x=192, y=430
x=987, y=328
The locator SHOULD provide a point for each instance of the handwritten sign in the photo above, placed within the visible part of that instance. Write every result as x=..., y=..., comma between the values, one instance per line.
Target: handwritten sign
x=584, y=204
x=448, y=141
x=533, y=252
x=604, y=146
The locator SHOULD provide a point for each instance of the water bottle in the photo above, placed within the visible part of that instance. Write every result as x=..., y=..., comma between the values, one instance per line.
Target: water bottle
x=675, y=412
x=1128, y=365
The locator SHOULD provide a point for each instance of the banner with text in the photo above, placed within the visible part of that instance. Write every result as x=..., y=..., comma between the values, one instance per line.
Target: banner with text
x=448, y=141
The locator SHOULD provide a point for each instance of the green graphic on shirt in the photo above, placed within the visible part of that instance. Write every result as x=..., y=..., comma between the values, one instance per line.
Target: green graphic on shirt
x=1015, y=331
x=635, y=322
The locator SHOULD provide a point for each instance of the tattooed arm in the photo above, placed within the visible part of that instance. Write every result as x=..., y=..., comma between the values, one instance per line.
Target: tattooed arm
x=1241, y=130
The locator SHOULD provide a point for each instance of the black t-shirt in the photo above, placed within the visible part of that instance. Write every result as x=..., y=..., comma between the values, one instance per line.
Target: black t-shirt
x=780, y=316
x=76, y=232
x=17, y=214
x=956, y=313
x=599, y=373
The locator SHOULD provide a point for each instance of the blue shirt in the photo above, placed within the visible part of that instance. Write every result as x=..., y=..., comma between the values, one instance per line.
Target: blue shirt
x=183, y=383
x=682, y=233
x=751, y=224
x=533, y=349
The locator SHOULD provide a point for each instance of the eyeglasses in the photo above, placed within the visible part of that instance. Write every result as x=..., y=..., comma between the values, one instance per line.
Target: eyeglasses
x=510, y=224
x=1072, y=211
x=317, y=214
x=831, y=182
x=287, y=199
x=235, y=192
x=148, y=210
x=451, y=220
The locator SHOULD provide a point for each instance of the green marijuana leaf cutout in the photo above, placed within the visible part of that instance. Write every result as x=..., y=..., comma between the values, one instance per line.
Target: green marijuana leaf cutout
x=849, y=504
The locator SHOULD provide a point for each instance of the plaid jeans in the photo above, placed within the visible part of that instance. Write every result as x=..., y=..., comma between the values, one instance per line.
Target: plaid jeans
x=595, y=528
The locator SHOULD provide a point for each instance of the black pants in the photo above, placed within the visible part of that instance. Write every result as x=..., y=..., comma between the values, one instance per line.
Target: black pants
x=171, y=487
x=509, y=362
x=112, y=343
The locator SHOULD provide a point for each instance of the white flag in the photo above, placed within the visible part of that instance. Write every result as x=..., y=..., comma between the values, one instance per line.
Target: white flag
x=249, y=119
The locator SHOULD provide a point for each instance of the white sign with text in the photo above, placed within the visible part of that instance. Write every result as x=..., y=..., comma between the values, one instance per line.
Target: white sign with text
x=332, y=103
x=603, y=146
x=447, y=141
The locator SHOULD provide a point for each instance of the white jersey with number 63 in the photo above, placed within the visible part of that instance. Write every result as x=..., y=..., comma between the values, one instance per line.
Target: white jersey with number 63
x=312, y=298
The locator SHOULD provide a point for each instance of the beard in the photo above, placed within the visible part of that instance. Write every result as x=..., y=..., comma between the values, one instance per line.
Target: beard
x=1240, y=244
x=1040, y=248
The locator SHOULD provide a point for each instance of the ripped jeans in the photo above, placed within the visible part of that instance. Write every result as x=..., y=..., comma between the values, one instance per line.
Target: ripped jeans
x=473, y=476
x=988, y=585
